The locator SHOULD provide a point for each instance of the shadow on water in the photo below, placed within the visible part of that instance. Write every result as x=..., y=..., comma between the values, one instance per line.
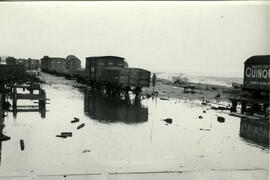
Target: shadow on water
x=108, y=109
x=255, y=132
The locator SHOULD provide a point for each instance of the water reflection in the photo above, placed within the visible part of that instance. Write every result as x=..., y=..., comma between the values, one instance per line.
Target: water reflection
x=112, y=109
x=42, y=110
x=255, y=131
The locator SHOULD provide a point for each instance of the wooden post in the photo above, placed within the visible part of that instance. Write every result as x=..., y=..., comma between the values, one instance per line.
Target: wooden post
x=192, y=90
x=31, y=87
x=42, y=103
x=42, y=100
x=234, y=105
x=138, y=92
x=243, y=107
x=14, y=103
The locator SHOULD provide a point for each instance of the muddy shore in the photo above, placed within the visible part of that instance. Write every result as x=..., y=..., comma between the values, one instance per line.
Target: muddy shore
x=205, y=92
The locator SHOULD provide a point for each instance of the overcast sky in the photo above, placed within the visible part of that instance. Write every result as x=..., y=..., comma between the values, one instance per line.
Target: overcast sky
x=201, y=38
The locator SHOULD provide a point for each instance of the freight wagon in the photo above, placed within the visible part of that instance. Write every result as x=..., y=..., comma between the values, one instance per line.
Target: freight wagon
x=12, y=72
x=113, y=74
x=60, y=66
x=95, y=65
x=126, y=77
x=30, y=64
x=72, y=64
x=257, y=74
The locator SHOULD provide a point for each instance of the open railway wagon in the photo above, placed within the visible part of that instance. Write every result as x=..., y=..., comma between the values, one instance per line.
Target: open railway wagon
x=95, y=65
x=113, y=74
x=126, y=78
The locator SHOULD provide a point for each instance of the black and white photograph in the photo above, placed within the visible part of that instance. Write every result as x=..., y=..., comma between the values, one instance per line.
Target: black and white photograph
x=134, y=90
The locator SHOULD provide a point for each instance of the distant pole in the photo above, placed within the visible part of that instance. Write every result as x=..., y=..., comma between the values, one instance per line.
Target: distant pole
x=31, y=87
x=14, y=98
x=154, y=78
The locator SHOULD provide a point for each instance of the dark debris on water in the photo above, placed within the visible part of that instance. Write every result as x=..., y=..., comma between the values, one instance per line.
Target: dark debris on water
x=168, y=120
x=22, y=144
x=81, y=126
x=220, y=119
x=204, y=129
x=164, y=98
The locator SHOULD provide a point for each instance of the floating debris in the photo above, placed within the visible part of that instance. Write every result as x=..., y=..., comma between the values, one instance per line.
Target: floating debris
x=206, y=103
x=75, y=120
x=220, y=108
x=164, y=98
x=22, y=144
x=81, y=126
x=203, y=129
x=220, y=119
x=204, y=111
x=168, y=120
x=61, y=136
x=200, y=117
x=67, y=134
x=86, y=150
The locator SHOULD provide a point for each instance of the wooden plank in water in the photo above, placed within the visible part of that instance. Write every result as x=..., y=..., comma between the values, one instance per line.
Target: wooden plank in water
x=67, y=134
x=81, y=126
x=22, y=144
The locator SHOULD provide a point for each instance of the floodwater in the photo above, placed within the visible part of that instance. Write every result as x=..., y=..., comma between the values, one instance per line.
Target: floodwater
x=126, y=140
